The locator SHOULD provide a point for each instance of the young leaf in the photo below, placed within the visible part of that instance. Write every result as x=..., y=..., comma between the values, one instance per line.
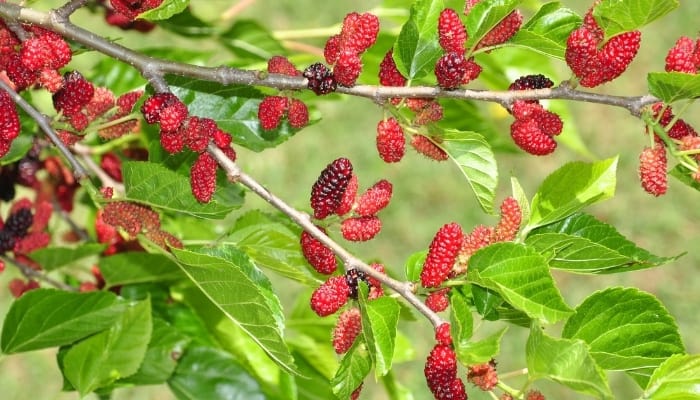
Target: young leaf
x=461, y=320
x=627, y=330
x=484, y=16
x=566, y=361
x=472, y=153
x=164, y=350
x=44, y=318
x=166, y=10
x=673, y=86
x=210, y=373
x=520, y=275
x=571, y=188
x=548, y=30
x=157, y=186
x=520, y=196
x=414, y=265
x=353, y=369
x=233, y=285
x=51, y=258
x=417, y=49
x=581, y=243
x=676, y=378
x=617, y=16
x=481, y=351
x=132, y=268
x=112, y=354
x=380, y=318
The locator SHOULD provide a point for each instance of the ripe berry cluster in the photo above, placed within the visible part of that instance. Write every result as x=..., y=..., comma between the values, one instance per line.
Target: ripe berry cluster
x=595, y=61
x=344, y=50
x=534, y=127
x=273, y=109
x=684, y=56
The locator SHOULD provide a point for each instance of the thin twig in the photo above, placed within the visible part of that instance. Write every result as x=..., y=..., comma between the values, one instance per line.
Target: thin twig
x=69, y=8
x=31, y=273
x=82, y=234
x=78, y=170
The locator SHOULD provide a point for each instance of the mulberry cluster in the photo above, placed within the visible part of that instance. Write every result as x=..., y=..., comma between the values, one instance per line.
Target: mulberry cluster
x=500, y=33
x=389, y=74
x=454, y=69
x=534, y=128
x=594, y=62
x=427, y=147
x=9, y=123
x=24, y=231
x=441, y=374
x=653, y=169
x=273, y=109
x=317, y=254
x=320, y=79
x=365, y=224
x=679, y=129
x=337, y=289
x=391, y=142
x=684, y=56
x=437, y=300
x=327, y=192
x=483, y=376
x=133, y=219
x=346, y=330
x=131, y=8
x=442, y=255
x=343, y=51
x=509, y=224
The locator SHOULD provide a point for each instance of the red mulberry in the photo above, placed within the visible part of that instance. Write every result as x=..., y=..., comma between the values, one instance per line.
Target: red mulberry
x=442, y=255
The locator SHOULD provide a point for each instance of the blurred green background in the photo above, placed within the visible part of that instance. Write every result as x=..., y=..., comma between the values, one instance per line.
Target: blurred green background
x=428, y=194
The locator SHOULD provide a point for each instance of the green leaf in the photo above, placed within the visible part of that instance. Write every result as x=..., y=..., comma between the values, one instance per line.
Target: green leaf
x=520, y=275
x=675, y=379
x=548, y=30
x=248, y=39
x=234, y=286
x=20, y=145
x=473, y=155
x=210, y=373
x=617, y=16
x=117, y=76
x=684, y=175
x=417, y=49
x=166, y=10
x=380, y=319
x=414, y=265
x=164, y=350
x=115, y=353
x=353, y=369
x=486, y=302
x=627, y=330
x=477, y=352
x=484, y=16
x=272, y=245
x=571, y=188
x=187, y=24
x=132, y=268
x=51, y=258
x=566, y=361
x=234, y=108
x=157, y=186
x=581, y=243
x=673, y=86
x=44, y=318
x=520, y=196
x=461, y=320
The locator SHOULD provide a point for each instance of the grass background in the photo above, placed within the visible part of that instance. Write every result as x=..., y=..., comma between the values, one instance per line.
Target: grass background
x=429, y=194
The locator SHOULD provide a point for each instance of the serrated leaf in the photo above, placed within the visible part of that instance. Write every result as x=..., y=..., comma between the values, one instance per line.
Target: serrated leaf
x=166, y=346
x=486, y=302
x=133, y=268
x=566, y=361
x=675, y=379
x=115, y=353
x=248, y=39
x=581, y=243
x=461, y=320
x=473, y=155
x=417, y=48
x=233, y=107
x=414, y=265
x=484, y=16
x=51, y=258
x=627, y=330
x=380, y=319
x=617, y=16
x=520, y=275
x=44, y=318
x=210, y=373
x=353, y=369
x=157, y=186
x=673, y=86
x=481, y=351
x=570, y=188
x=235, y=288
x=548, y=30
x=166, y=10
x=272, y=245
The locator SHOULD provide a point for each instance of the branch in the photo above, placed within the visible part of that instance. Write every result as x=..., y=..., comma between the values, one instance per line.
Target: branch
x=153, y=69
x=69, y=8
x=405, y=289
x=31, y=273
x=78, y=170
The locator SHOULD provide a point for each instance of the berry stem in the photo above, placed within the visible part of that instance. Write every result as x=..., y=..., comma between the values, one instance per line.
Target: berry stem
x=511, y=391
x=78, y=171
x=405, y=289
x=31, y=273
